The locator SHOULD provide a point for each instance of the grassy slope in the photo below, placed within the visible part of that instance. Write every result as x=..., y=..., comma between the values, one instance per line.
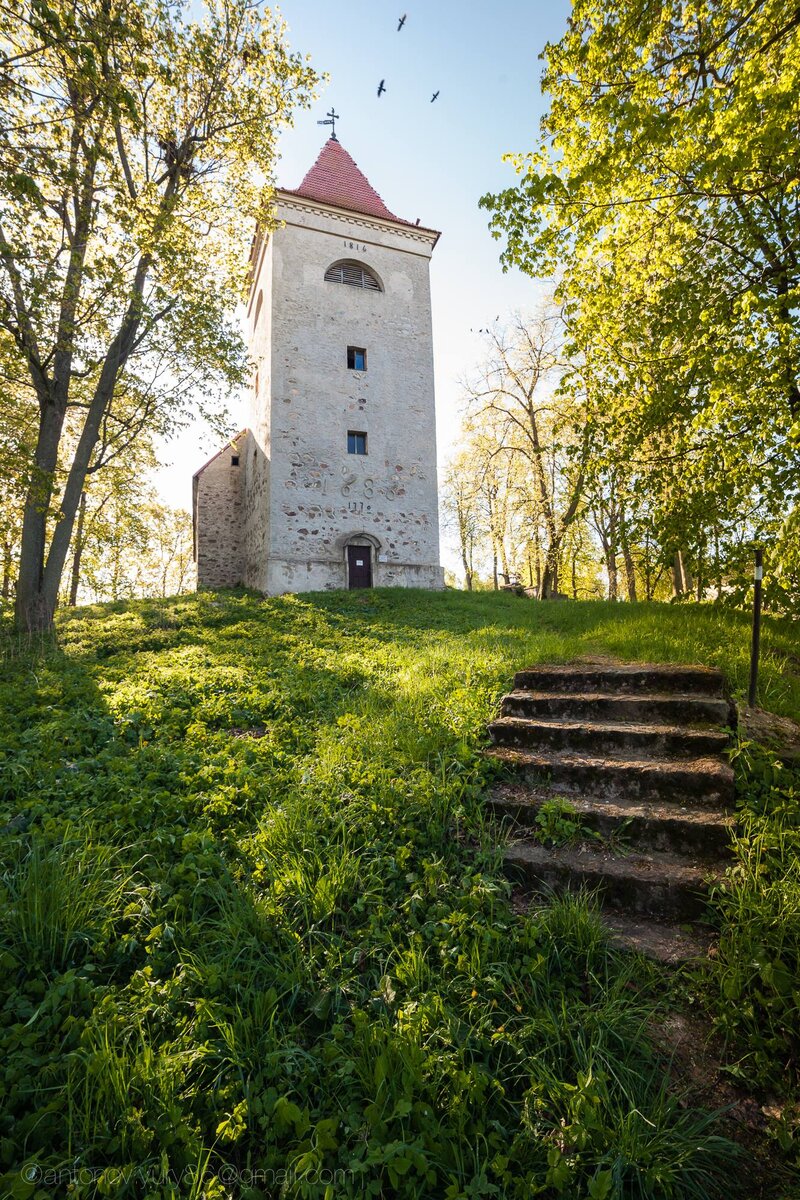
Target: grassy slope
x=292, y=952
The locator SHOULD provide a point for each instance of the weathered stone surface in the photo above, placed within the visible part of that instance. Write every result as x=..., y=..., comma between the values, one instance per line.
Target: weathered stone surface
x=706, y=780
x=219, y=517
x=637, y=752
x=670, y=944
x=629, y=739
x=698, y=831
x=654, y=884
x=659, y=708
x=624, y=678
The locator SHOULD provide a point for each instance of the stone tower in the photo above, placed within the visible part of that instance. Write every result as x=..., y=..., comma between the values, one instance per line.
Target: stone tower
x=334, y=484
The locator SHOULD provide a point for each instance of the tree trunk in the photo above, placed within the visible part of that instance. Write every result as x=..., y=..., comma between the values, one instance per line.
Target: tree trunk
x=467, y=572
x=682, y=581
x=627, y=558
x=611, y=567
x=630, y=572
x=678, y=576
x=688, y=582
x=700, y=585
x=35, y=606
x=504, y=562
x=649, y=586
x=550, y=576
x=40, y=576
x=8, y=560
x=551, y=559
x=77, y=554
x=465, y=555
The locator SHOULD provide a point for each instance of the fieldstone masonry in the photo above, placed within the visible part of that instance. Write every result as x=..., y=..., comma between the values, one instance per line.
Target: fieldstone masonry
x=284, y=518
x=218, y=503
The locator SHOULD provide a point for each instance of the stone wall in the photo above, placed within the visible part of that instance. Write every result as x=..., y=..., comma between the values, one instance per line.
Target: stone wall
x=219, y=517
x=257, y=477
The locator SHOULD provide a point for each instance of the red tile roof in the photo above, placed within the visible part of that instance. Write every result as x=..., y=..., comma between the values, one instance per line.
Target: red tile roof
x=335, y=179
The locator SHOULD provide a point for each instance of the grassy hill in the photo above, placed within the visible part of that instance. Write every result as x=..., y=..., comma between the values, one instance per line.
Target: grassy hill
x=255, y=939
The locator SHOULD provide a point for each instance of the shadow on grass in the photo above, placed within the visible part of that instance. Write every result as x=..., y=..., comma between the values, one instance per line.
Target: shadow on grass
x=314, y=953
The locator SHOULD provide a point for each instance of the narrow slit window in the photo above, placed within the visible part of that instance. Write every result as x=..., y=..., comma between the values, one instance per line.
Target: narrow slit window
x=356, y=358
x=356, y=442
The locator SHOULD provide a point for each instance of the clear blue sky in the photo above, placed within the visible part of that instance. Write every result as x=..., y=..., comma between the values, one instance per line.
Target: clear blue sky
x=431, y=161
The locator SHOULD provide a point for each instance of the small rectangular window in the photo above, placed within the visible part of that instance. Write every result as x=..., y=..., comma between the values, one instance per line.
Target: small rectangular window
x=234, y=460
x=356, y=358
x=356, y=442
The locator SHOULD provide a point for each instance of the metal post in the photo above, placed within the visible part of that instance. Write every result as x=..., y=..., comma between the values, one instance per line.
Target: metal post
x=759, y=572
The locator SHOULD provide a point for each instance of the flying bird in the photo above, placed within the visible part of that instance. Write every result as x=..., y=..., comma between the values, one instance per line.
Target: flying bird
x=381, y=88
x=402, y=22
x=433, y=97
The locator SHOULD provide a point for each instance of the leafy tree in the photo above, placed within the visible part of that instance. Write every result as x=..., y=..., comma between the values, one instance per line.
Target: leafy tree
x=540, y=427
x=664, y=194
x=17, y=434
x=133, y=545
x=135, y=144
x=126, y=542
x=459, y=510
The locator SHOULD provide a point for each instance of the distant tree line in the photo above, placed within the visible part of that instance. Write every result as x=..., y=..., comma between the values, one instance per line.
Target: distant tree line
x=536, y=495
x=663, y=200
x=126, y=541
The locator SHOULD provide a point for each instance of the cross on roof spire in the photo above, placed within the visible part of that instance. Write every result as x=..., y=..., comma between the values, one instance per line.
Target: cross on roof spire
x=333, y=118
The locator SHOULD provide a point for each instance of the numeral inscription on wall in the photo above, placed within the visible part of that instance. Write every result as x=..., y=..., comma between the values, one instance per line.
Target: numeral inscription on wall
x=352, y=486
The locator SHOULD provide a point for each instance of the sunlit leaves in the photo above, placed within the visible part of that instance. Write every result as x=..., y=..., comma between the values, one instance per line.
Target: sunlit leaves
x=663, y=196
x=138, y=140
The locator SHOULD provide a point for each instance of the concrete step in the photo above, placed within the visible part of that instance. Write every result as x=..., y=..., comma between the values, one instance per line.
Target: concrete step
x=607, y=738
x=661, y=708
x=627, y=678
x=698, y=831
x=698, y=780
x=672, y=943
x=666, y=942
x=655, y=885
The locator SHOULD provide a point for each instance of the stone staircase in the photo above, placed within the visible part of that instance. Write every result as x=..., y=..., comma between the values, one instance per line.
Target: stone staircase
x=637, y=751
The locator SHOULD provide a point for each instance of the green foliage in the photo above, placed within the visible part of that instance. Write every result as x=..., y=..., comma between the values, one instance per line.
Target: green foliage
x=759, y=903
x=255, y=931
x=61, y=899
x=663, y=195
x=125, y=228
x=558, y=824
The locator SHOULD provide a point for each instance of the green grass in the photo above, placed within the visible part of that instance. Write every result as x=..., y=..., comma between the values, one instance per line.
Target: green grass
x=254, y=934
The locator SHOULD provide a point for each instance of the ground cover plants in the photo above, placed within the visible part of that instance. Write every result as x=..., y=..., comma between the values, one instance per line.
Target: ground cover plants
x=255, y=938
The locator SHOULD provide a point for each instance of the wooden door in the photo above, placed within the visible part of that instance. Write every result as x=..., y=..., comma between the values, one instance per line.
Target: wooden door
x=359, y=567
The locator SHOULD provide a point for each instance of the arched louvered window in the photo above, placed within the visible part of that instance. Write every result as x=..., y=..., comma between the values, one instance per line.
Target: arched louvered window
x=354, y=274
